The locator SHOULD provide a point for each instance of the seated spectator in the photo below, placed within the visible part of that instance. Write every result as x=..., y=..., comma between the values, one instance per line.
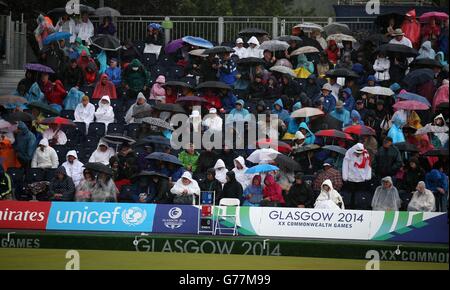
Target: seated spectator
x=104, y=87
x=189, y=158
x=35, y=94
x=158, y=92
x=349, y=100
x=413, y=173
x=213, y=121
x=232, y=188
x=105, y=112
x=278, y=109
x=73, y=75
x=73, y=99
x=329, y=100
x=61, y=186
x=386, y=196
x=300, y=194
x=45, y=156
x=221, y=171
x=355, y=119
x=74, y=168
x=422, y=200
x=272, y=193
x=114, y=72
x=329, y=198
x=212, y=184
x=85, y=112
x=103, y=154
x=253, y=194
x=185, y=190
x=239, y=170
x=7, y=153
x=104, y=190
x=55, y=135
x=310, y=138
x=5, y=185
x=227, y=69
x=328, y=173
x=107, y=26
x=396, y=132
x=141, y=105
x=437, y=181
x=151, y=189
x=213, y=100
x=85, y=187
x=91, y=75
x=84, y=60
x=299, y=140
x=54, y=91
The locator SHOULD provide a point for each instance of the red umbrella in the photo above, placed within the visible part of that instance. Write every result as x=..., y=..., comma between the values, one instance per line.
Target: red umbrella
x=334, y=134
x=360, y=130
x=58, y=121
x=279, y=146
x=441, y=16
x=411, y=106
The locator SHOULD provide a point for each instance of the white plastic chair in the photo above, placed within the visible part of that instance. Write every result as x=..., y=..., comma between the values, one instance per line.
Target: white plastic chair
x=224, y=203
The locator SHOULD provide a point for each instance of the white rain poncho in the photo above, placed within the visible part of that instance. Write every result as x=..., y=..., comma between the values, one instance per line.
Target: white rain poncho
x=386, y=199
x=329, y=199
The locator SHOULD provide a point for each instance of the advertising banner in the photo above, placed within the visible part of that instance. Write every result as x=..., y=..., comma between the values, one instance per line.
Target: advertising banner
x=180, y=219
x=24, y=215
x=113, y=217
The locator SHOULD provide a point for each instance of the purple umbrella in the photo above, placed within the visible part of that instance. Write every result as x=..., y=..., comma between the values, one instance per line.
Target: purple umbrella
x=174, y=46
x=38, y=67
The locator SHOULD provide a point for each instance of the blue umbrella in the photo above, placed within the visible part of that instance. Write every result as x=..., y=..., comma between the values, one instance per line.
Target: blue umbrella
x=198, y=41
x=164, y=157
x=414, y=97
x=56, y=37
x=261, y=169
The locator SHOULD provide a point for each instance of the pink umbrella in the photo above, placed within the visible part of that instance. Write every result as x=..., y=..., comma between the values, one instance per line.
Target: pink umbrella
x=441, y=95
x=411, y=106
x=441, y=16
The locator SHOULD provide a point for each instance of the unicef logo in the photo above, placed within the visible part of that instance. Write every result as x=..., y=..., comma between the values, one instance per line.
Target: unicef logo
x=175, y=213
x=134, y=216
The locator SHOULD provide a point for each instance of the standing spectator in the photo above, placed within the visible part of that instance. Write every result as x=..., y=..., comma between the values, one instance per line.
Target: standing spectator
x=340, y=113
x=400, y=38
x=300, y=194
x=388, y=159
x=422, y=200
x=332, y=52
x=437, y=182
x=24, y=145
x=74, y=168
x=85, y=112
x=44, y=29
x=154, y=34
x=67, y=24
x=386, y=196
x=227, y=69
x=45, y=156
x=381, y=67
x=114, y=72
x=135, y=78
x=411, y=28
x=273, y=196
x=61, y=187
x=185, y=189
x=85, y=28
x=253, y=194
x=105, y=112
x=107, y=27
x=329, y=198
x=396, y=132
x=329, y=173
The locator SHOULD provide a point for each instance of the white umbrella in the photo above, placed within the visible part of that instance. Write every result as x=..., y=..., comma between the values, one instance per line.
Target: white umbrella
x=307, y=112
x=309, y=26
x=284, y=70
x=339, y=37
x=6, y=126
x=378, y=91
x=274, y=45
x=107, y=11
x=198, y=52
x=431, y=129
x=263, y=155
x=305, y=49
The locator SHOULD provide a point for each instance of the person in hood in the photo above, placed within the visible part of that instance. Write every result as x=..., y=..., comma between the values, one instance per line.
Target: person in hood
x=253, y=194
x=239, y=113
x=278, y=109
x=104, y=190
x=221, y=171
x=185, y=190
x=189, y=158
x=310, y=138
x=85, y=112
x=253, y=50
x=332, y=51
x=422, y=200
x=440, y=125
x=74, y=168
x=300, y=194
x=85, y=28
x=55, y=135
x=304, y=67
x=158, y=90
x=154, y=34
x=299, y=140
x=25, y=144
x=441, y=96
x=227, y=69
x=355, y=119
x=45, y=156
x=340, y=113
x=212, y=184
x=426, y=52
x=7, y=153
x=141, y=105
x=73, y=99
x=424, y=145
x=85, y=60
x=105, y=112
x=239, y=170
x=114, y=72
x=349, y=100
x=103, y=153
x=431, y=31
x=5, y=185
x=232, y=188
x=86, y=187
x=61, y=186
x=396, y=132
x=329, y=198
x=91, y=74
x=213, y=121
x=411, y=28
x=135, y=78
x=437, y=182
x=35, y=94
x=104, y=88
x=386, y=197
x=272, y=193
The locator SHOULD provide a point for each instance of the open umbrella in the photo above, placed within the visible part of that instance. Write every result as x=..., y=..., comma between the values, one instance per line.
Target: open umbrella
x=284, y=62
x=324, y=122
x=57, y=36
x=213, y=85
x=19, y=116
x=274, y=45
x=283, y=70
x=431, y=129
x=152, y=140
x=414, y=97
x=425, y=63
x=151, y=174
x=107, y=11
x=378, y=39
x=418, y=77
x=58, y=121
x=307, y=112
x=306, y=148
x=287, y=162
x=335, y=28
x=178, y=84
x=197, y=41
x=440, y=16
x=334, y=134
x=436, y=153
x=62, y=10
x=218, y=50
x=251, y=61
x=5, y=100
x=39, y=68
x=406, y=147
x=157, y=123
x=339, y=37
x=44, y=108
x=198, y=52
x=99, y=168
x=309, y=26
x=411, y=106
x=173, y=108
x=263, y=155
x=118, y=139
x=253, y=32
x=342, y=73
x=384, y=19
x=397, y=49
x=106, y=42
x=164, y=157
x=288, y=38
x=262, y=168
x=305, y=49
x=360, y=130
x=378, y=91
x=279, y=146
x=191, y=99
x=336, y=149
x=173, y=46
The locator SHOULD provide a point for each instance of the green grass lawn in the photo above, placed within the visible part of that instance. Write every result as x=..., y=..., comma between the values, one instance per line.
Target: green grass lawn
x=31, y=259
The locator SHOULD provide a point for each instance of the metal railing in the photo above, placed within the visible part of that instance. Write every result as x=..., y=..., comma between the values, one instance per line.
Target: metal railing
x=13, y=42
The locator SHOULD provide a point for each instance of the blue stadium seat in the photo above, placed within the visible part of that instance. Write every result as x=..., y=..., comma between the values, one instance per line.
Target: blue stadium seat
x=96, y=130
x=68, y=114
x=116, y=128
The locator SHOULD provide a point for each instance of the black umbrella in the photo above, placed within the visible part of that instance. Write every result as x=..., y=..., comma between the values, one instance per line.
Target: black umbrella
x=19, y=116
x=325, y=122
x=178, y=84
x=251, y=61
x=425, y=63
x=378, y=39
x=335, y=28
x=336, y=149
x=218, y=50
x=287, y=162
x=106, y=42
x=174, y=108
x=253, y=32
x=391, y=48
x=214, y=85
x=152, y=140
x=342, y=73
x=437, y=153
x=164, y=157
x=43, y=108
x=306, y=148
x=406, y=147
x=99, y=167
x=157, y=123
x=118, y=139
x=151, y=174
x=384, y=19
x=417, y=77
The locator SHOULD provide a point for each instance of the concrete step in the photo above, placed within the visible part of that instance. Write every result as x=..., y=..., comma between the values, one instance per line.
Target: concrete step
x=9, y=80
